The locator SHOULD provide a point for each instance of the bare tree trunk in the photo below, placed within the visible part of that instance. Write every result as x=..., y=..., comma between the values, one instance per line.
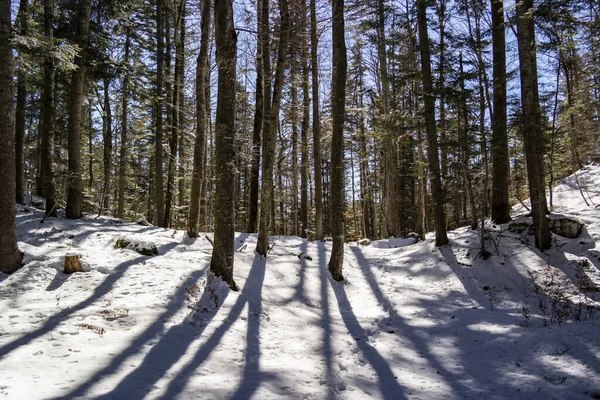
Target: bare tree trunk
x=124, y=127
x=305, y=125
x=338, y=104
x=158, y=110
x=316, y=123
x=258, y=121
x=107, y=146
x=500, y=158
x=201, y=118
x=531, y=123
x=271, y=119
x=20, y=114
x=48, y=117
x=10, y=257
x=180, y=111
x=294, y=122
x=75, y=183
x=222, y=257
x=432, y=144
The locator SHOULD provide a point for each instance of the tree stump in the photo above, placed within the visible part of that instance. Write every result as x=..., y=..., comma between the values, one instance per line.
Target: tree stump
x=72, y=263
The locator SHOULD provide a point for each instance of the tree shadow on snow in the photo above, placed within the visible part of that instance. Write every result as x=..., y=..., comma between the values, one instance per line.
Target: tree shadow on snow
x=101, y=290
x=252, y=376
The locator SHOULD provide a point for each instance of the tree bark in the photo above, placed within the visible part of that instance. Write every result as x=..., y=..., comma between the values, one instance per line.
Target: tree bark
x=158, y=110
x=258, y=122
x=107, y=142
x=224, y=211
x=48, y=117
x=432, y=143
x=531, y=123
x=75, y=182
x=10, y=257
x=316, y=125
x=500, y=158
x=305, y=125
x=271, y=120
x=201, y=117
x=124, y=127
x=20, y=114
x=338, y=101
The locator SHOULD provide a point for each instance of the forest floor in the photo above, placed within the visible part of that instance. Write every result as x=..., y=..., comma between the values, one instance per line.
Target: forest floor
x=410, y=322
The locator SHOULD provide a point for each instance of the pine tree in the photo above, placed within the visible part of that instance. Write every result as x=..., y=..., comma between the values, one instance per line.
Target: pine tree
x=10, y=257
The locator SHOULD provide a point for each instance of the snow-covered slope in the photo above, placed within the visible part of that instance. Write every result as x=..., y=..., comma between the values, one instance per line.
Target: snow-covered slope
x=411, y=322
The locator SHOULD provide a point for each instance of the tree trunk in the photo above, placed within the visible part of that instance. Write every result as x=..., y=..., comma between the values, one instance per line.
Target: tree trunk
x=10, y=257
x=305, y=125
x=500, y=158
x=180, y=111
x=201, y=118
x=124, y=126
x=224, y=208
x=338, y=101
x=531, y=123
x=75, y=183
x=271, y=119
x=258, y=122
x=20, y=114
x=316, y=123
x=48, y=117
x=432, y=144
x=107, y=141
x=158, y=110
x=294, y=122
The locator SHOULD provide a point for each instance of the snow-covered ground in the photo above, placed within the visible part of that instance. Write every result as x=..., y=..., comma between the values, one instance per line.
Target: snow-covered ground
x=411, y=322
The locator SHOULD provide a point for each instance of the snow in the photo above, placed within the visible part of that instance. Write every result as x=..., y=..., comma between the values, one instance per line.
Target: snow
x=412, y=321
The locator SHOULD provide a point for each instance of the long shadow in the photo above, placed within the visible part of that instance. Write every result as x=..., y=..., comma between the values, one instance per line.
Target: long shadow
x=252, y=376
x=299, y=293
x=251, y=294
x=390, y=389
x=453, y=263
x=326, y=319
x=100, y=291
x=407, y=330
x=155, y=329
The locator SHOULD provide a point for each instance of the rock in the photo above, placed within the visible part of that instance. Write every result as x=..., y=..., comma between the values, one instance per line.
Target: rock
x=364, y=242
x=562, y=226
x=144, y=248
x=143, y=221
x=518, y=227
x=413, y=235
x=567, y=227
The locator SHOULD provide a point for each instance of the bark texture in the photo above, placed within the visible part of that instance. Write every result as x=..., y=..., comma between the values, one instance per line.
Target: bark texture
x=10, y=257
x=224, y=211
x=338, y=101
x=75, y=182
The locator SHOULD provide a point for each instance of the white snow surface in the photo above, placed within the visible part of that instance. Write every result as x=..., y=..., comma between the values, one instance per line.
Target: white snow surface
x=410, y=322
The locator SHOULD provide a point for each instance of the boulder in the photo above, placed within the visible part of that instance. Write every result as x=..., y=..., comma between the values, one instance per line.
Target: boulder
x=144, y=248
x=364, y=242
x=567, y=227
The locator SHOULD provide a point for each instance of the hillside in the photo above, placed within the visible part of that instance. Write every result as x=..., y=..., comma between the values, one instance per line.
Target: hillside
x=411, y=322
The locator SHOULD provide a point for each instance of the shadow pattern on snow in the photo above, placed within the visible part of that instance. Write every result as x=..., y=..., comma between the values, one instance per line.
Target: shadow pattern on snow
x=101, y=290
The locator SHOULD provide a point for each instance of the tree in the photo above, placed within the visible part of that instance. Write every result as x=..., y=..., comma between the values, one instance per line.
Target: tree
x=75, y=182
x=201, y=117
x=271, y=118
x=158, y=114
x=316, y=125
x=500, y=160
x=10, y=257
x=47, y=188
x=124, y=126
x=258, y=122
x=432, y=144
x=531, y=124
x=20, y=114
x=226, y=40
x=338, y=104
